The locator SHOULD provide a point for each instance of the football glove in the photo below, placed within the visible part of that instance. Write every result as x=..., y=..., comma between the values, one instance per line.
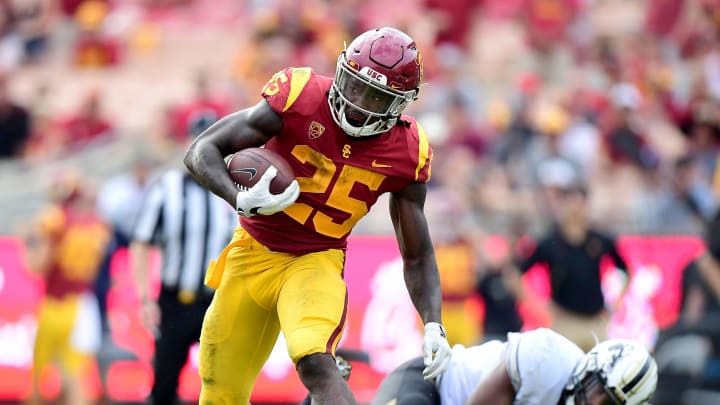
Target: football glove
x=259, y=200
x=436, y=350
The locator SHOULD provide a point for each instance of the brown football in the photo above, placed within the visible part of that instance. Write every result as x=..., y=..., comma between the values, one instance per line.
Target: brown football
x=248, y=165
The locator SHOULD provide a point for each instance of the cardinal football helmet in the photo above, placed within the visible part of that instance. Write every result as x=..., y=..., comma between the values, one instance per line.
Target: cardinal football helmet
x=624, y=369
x=377, y=76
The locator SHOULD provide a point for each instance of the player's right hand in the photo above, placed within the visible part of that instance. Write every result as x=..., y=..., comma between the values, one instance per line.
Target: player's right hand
x=436, y=350
x=259, y=200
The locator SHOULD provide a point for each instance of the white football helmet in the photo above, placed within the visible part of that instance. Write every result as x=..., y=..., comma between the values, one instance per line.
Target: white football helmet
x=624, y=369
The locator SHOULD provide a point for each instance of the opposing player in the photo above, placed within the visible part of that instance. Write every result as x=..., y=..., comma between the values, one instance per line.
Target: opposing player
x=537, y=367
x=347, y=142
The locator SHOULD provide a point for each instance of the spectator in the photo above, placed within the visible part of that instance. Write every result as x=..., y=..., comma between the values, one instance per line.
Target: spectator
x=662, y=17
x=704, y=141
x=14, y=123
x=66, y=247
x=546, y=154
x=573, y=250
x=625, y=140
x=94, y=47
x=41, y=110
x=582, y=139
x=463, y=129
x=554, y=175
x=191, y=226
x=688, y=202
x=454, y=19
x=549, y=30
x=499, y=296
x=267, y=50
x=195, y=116
x=10, y=42
x=499, y=287
x=70, y=7
x=35, y=23
x=87, y=126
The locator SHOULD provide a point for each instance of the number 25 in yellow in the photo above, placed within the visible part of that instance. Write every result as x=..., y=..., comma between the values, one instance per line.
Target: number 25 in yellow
x=271, y=87
x=339, y=197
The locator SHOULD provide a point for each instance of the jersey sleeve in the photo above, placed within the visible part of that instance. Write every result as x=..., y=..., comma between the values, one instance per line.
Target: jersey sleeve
x=284, y=88
x=539, y=365
x=424, y=155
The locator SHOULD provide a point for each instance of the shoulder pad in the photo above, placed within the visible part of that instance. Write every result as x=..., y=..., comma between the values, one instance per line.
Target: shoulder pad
x=284, y=88
x=424, y=153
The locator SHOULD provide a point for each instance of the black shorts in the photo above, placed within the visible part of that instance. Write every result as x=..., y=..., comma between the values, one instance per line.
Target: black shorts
x=406, y=386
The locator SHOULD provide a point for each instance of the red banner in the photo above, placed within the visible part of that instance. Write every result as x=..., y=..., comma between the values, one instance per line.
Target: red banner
x=382, y=321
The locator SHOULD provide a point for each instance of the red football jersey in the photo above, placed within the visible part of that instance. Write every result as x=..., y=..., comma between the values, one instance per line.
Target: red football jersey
x=79, y=243
x=340, y=177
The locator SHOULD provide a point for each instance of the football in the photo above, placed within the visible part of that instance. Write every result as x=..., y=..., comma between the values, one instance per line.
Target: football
x=248, y=165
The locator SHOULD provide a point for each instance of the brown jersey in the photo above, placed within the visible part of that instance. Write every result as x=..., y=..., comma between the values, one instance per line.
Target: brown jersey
x=340, y=177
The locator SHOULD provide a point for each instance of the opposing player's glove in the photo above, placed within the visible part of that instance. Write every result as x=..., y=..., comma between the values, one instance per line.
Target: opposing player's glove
x=259, y=200
x=436, y=350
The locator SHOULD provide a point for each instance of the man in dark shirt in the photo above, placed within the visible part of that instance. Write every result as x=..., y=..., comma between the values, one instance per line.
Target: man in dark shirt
x=573, y=251
x=14, y=124
x=497, y=289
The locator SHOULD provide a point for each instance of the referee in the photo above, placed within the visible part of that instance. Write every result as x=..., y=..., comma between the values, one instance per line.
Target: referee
x=191, y=226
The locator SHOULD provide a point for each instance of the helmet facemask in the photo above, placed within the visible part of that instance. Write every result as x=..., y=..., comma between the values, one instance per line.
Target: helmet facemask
x=619, y=371
x=362, y=103
x=593, y=390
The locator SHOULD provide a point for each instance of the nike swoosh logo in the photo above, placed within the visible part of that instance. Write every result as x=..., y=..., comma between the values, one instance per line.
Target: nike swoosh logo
x=376, y=164
x=249, y=170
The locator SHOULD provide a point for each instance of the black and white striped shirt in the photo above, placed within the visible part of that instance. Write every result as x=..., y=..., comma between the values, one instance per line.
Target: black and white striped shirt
x=189, y=224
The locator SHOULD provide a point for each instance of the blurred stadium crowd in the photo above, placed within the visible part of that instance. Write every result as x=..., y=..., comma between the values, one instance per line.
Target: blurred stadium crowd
x=524, y=100
x=625, y=93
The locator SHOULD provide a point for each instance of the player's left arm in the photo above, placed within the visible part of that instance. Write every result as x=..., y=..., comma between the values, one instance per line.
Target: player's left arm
x=421, y=273
x=420, y=268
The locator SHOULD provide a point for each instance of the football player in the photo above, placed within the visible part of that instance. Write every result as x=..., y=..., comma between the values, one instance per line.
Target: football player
x=536, y=367
x=66, y=246
x=347, y=143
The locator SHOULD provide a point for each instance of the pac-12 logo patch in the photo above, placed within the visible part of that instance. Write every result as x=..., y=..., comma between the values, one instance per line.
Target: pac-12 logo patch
x=315, y=130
